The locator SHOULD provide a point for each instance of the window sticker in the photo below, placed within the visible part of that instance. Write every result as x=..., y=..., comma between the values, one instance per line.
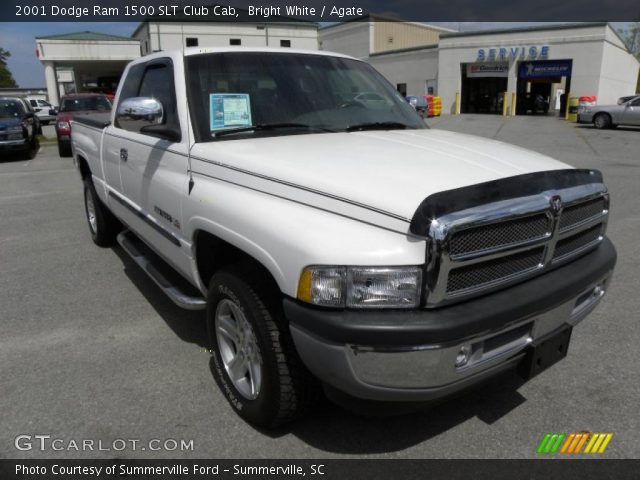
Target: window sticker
x=229, y=110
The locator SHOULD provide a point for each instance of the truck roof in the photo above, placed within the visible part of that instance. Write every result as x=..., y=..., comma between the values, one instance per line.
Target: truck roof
x=202, y=50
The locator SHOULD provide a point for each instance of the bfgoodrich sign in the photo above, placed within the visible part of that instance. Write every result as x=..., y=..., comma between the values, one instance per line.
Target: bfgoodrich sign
x=504, y=54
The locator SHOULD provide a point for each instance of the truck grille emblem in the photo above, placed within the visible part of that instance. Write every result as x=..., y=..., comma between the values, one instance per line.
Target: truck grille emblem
x=556, y=204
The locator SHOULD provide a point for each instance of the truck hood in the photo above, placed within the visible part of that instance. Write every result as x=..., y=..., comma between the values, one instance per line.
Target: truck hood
x=390, y=171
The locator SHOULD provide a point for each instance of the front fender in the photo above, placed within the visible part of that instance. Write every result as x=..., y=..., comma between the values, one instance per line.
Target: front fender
x=286, y=236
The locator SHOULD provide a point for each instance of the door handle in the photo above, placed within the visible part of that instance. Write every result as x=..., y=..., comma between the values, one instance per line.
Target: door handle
x=124, y=154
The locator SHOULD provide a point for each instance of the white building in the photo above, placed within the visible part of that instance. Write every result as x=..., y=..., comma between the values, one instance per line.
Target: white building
x=375, y=35
x=155, y=35
x=83, y=61
x=473, y=72
x=478, y=68
x=93, y=62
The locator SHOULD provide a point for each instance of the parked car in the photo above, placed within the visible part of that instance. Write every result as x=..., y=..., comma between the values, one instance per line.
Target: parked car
x=339, y=245
x=43, y=109
x=419, y=104
x=18, y=126
x=72, y=106
x=610, y=116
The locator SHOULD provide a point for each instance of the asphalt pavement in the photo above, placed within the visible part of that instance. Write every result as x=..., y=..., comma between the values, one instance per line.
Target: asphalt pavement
x=90, y=349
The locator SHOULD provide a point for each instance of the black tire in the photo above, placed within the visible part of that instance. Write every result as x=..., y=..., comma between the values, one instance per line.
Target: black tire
x=32, y=149
x=602, y=121
x=287, y=389
x=105, y=227
x=64, y=149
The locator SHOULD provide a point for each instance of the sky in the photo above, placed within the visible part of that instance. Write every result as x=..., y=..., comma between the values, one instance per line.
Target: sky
x=19, y=39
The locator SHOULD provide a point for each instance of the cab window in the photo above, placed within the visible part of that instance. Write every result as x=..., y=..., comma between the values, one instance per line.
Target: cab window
x=153, y=80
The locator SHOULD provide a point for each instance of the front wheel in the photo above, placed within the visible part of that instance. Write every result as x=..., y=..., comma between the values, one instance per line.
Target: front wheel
x=254, y=360
x=602, y=121
x=32, y=148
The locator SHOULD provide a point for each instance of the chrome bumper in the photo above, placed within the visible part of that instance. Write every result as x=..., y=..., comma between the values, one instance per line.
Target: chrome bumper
x=426, y=372
x=13, y=143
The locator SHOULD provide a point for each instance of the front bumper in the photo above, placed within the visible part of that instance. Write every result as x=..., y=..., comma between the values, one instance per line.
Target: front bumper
x=14, y=144
x=410, y=355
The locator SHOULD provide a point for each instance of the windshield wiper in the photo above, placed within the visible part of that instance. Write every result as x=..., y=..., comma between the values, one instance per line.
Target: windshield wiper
x=359, y=127
x=269, y=126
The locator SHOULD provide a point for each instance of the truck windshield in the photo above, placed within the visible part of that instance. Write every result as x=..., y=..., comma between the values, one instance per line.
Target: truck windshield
x=235, y=95
x=11, y=109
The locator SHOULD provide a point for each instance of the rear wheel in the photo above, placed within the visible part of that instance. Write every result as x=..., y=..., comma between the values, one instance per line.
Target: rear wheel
x=64, y=149
x=254, y=360
x=103, y=226
x=602, y=120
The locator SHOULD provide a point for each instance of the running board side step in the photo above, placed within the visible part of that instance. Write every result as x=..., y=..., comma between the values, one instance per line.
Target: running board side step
x=160, y=272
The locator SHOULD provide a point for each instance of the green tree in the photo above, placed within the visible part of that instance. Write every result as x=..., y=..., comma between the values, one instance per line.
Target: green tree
x=631, y=37
x=6, y=79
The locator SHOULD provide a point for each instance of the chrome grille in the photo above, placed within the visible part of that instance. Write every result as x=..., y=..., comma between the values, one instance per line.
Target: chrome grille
x=484, y=248
x=576, y=214
x=576, y=242
x=486, y=273
x=501, y=234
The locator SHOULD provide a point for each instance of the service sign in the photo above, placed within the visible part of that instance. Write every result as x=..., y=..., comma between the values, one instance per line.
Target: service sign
x=503, y=54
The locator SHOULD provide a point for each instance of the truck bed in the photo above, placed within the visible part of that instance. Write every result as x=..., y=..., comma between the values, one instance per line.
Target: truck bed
x=95, y=120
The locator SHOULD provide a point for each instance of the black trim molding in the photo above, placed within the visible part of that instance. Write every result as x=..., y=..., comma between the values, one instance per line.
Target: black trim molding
x=442, y=203
x=158, y=228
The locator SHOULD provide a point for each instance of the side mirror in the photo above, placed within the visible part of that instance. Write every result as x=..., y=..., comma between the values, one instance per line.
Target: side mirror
x=137, y=112
x=145, y=115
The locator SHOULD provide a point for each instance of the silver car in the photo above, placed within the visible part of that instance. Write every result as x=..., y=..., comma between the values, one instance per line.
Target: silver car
x=610, y=116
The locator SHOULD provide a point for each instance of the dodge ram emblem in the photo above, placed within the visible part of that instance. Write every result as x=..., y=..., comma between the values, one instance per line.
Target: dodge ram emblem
x=556, y=204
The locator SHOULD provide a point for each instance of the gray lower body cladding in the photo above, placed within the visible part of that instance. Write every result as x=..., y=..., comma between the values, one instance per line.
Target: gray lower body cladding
x=411, y=355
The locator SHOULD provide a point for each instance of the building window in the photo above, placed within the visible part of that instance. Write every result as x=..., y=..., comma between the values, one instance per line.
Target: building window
x=235, y=41
x=192, y=42
x=285, y=43
x=402, y=88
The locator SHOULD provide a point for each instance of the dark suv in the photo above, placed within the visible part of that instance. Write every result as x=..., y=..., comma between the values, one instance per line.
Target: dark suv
x=19, y=126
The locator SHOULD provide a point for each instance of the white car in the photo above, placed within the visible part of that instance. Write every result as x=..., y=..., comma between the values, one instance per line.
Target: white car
x=338, y=244
x=43, y=109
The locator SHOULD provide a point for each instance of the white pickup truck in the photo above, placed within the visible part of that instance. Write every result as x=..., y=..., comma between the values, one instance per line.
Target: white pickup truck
x=334, y=240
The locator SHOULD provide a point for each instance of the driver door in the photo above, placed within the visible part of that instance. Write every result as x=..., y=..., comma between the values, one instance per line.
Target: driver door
x=631, y=114
x=153, y=170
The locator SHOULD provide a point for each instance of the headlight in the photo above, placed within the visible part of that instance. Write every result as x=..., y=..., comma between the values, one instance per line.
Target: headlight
x=584, y=110
x=361, y=287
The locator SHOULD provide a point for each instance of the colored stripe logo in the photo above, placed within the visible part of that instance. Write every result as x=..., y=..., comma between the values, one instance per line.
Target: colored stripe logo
x=572, y=443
